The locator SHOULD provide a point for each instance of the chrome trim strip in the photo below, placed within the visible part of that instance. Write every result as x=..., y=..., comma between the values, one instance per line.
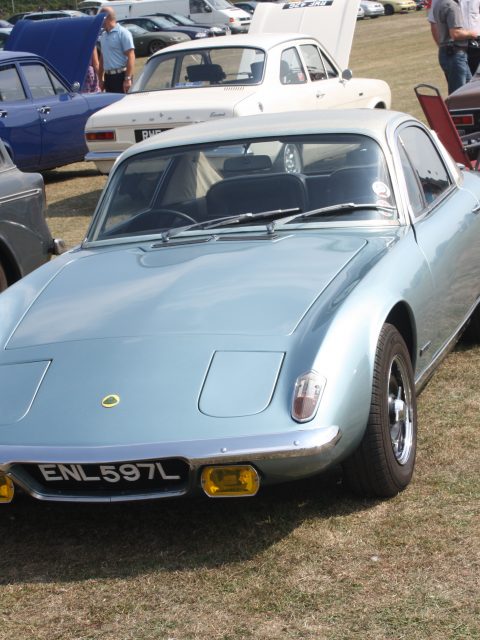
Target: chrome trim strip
x=93, y=156
x=306, y=444
x=19, y=196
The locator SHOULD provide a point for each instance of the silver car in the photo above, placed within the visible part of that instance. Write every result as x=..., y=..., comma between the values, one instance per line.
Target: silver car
x=372, y=9
x=250, y=305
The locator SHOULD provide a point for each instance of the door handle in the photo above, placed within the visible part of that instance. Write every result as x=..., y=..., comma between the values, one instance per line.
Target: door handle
x=43, y=110
x=320, y=94
x=3, y=114
x=476, y=208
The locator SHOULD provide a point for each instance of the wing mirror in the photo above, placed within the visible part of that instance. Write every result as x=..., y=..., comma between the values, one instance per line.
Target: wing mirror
x=347, y=74
x=58, y=247
x=75, y=87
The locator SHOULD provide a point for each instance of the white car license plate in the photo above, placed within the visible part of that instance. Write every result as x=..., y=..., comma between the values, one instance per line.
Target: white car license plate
x=144, y=134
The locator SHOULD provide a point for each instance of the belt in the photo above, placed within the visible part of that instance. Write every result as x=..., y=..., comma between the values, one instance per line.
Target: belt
x=112, y=72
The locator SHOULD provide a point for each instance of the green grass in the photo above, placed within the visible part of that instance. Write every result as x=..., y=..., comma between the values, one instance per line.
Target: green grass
x=300, y=561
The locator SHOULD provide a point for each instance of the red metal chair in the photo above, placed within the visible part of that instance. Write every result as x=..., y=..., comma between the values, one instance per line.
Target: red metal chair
x=463, y=149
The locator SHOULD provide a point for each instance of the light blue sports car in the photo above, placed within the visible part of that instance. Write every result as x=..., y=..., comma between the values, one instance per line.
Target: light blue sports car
x=251, y=304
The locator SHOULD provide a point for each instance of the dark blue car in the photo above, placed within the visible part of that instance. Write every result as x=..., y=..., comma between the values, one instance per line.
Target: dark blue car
x=161, y=23
x=42, y=112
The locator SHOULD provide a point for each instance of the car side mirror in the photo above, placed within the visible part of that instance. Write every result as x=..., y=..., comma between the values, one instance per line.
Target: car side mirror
x=75, y=87
x=208, y=9
x=58, y=247
x=347, y=74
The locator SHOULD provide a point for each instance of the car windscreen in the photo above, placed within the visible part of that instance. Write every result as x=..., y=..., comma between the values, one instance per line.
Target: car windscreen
x=326, y=177
x=204, y=67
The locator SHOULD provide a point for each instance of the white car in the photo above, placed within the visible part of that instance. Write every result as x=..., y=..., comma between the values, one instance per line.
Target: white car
x=240, y=75
x=372, y=9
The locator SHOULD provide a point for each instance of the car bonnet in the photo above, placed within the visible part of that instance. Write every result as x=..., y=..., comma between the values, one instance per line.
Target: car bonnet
x=67, y=44
x=255, y=286
x=332, y=22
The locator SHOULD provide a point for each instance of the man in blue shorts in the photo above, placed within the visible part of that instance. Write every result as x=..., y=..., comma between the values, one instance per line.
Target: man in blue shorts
x=117, y=55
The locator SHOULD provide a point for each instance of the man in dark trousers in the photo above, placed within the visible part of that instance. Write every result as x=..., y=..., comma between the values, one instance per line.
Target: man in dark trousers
x=452, y=38
x=117, y=55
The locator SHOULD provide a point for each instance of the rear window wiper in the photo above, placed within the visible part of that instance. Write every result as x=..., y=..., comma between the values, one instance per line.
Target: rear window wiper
x=274, y=214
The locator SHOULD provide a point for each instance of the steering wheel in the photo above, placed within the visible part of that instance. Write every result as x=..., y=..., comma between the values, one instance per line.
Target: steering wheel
x=174, y=214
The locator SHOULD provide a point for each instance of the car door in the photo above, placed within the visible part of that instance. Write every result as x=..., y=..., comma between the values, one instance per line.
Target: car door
x=446, y=221
x=62, y=116
x=330, y=90
x=19, y=121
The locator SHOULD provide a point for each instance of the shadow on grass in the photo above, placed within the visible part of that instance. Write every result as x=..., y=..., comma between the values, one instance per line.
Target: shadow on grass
x=53, y=542
x=77, y=170
x=82, y=205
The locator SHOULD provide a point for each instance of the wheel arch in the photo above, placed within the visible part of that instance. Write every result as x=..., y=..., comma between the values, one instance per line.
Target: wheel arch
x=9, y=263
x=401, y=317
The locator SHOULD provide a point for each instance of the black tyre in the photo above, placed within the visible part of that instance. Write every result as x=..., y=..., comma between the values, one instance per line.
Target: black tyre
x=3, y=279
x=389, y=10
x=472, y=332
x=155, y=46
x=384, y=461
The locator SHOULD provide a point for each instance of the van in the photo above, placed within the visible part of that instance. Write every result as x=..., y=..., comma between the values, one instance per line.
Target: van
x=205, y=12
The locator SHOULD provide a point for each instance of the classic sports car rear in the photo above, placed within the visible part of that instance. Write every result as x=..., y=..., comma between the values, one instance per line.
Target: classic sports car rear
x=249, y=306
x=464, y=107
x=295, y=56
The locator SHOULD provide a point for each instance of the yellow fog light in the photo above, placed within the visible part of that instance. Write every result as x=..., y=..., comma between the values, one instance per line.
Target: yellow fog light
x=235, y=480
x=7, y=489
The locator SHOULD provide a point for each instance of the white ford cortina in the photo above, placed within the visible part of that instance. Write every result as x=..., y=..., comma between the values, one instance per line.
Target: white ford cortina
x=266, y=70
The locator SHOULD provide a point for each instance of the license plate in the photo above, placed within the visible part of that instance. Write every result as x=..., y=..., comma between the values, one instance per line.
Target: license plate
x=153, y=470
x=144, y=134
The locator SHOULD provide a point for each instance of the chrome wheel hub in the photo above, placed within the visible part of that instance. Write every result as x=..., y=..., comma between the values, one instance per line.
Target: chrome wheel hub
x=400, y=411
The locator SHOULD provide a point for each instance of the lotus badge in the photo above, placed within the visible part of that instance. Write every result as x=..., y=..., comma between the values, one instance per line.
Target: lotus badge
x=110, y=401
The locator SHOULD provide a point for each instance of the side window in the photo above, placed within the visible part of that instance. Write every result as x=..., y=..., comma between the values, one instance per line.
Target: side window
x=330, y=69
x=314, y=62
x=57, y=85
x=415, y=193
x=10, y=85
x=425, y=162
x=38, y=80
x=198, y=6
x=291, y=68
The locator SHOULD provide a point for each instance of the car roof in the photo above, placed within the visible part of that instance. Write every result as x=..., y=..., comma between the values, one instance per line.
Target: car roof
x=371, y=122
x=266, y=41
x=6, y=56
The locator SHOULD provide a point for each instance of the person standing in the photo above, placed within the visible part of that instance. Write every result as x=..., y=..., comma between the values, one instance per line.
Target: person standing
x=117, y=55
x=452, y=39
x=471, y=20
x=90, y=84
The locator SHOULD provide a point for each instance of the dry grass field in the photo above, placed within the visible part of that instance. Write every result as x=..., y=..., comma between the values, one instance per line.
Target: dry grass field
x=301, y=561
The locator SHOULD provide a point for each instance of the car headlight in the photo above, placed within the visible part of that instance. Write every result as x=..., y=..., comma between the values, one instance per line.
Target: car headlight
x=201, y=34
x=177, y=38
x=307, y=395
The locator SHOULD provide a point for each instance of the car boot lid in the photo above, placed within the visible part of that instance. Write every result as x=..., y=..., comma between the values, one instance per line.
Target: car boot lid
x=67, y=44
x=173, y=107
x=332, y=22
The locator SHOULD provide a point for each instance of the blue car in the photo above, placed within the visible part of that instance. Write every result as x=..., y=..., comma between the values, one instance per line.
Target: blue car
x=251, y=304
x=42, y=112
